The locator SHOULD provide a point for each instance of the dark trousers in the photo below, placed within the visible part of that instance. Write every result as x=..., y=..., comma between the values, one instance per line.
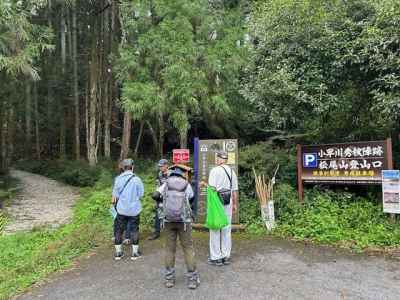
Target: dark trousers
x=130, y=224
x=157, y=222
x=172, y=231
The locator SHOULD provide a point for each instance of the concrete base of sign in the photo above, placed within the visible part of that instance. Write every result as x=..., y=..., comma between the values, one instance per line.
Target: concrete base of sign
x=235, y=227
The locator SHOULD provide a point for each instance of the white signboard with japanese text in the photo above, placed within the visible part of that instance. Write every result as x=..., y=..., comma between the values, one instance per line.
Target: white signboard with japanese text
x=391, y=191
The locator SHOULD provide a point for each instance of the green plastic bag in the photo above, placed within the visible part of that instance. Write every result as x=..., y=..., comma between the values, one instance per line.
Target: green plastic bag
x=216, y=217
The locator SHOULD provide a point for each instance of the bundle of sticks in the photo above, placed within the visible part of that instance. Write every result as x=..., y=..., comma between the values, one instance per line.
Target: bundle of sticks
x=263, y=188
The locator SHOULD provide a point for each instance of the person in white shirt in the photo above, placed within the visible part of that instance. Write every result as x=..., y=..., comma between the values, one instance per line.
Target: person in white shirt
x=224, y=179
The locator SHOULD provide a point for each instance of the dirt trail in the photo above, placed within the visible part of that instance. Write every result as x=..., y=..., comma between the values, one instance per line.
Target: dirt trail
x=41, y=201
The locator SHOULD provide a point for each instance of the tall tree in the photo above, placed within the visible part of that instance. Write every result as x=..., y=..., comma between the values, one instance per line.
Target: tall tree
x=332, y=62
x=75, y=62
x=21, y=43
x=176, y=60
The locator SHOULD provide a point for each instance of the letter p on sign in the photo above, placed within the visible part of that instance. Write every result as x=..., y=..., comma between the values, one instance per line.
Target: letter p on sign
x=310, y=160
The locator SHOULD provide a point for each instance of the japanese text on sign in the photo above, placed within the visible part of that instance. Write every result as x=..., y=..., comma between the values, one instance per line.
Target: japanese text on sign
x=180, y=156
x=361, y=162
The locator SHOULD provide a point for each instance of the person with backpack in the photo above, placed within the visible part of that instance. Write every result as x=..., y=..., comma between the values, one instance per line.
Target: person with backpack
x=224, y=180
x=127, y=192
x=175, y=196
x=161, y=179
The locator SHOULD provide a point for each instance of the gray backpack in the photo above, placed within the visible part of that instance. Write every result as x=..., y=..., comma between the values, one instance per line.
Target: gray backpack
x=175, y=204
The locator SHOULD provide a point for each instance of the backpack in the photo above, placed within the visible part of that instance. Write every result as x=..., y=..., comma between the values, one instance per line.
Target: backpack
x=176, y=206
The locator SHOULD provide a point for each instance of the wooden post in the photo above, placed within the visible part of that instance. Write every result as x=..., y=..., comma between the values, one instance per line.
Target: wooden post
x=390, y=167
x=299, y=173
x=389, y=153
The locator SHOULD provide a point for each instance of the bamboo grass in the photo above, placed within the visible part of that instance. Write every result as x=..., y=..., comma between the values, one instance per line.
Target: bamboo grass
x=263, y=188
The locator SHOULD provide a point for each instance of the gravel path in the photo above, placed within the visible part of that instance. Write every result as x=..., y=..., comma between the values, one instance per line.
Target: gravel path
x=263, y=268
x=40, y=202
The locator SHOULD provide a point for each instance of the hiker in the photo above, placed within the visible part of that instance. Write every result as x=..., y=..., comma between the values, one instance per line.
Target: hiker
x=161, y=179
x=224, y=179
x=175, y=196
x=126, y=196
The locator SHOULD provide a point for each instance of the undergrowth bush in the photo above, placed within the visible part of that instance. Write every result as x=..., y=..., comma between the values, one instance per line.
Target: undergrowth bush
x=264, y=158
x=76, y=173
x=329, y=217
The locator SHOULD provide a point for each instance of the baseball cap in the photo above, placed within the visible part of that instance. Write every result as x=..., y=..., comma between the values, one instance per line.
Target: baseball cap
x=128, y=162
x=162, y=162
x=222, y=154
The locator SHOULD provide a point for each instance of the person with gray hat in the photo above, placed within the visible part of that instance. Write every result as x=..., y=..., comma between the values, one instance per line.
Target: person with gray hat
x=161, y=179
x=127, y=192
x=224, y=180
x=175, y=196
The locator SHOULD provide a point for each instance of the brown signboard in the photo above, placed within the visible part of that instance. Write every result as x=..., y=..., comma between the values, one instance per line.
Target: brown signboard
x=347, y=163
x=206, y=160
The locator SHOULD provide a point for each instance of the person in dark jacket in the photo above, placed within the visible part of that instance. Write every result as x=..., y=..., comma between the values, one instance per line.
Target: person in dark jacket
x=174, y=196
x=161, y=179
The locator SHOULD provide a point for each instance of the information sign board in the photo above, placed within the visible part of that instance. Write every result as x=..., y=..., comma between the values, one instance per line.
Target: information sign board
x=391, y=191
x=205, y=160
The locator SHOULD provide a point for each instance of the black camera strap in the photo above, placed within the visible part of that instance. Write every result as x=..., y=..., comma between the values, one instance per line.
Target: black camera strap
x=123, y=188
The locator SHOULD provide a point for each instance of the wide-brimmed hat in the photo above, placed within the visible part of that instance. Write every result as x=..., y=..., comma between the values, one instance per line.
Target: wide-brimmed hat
x=222, y=154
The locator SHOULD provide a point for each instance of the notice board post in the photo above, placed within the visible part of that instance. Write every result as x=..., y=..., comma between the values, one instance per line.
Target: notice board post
x=300, y=187
x=390, y=167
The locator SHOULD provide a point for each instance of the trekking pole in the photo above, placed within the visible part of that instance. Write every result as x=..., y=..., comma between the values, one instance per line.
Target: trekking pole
x=273, y=182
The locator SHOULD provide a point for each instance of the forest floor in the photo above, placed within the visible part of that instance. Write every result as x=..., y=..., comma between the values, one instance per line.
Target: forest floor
x=262, y=268
x=40, y=202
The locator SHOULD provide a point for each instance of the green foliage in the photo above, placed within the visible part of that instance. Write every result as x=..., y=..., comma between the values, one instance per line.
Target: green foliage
x=76, y=173
x=264, y=157
x=250, y=215
x=180, y=59
x=26, y=258
x=21, y=42
x=325, y=66
x=341, y=219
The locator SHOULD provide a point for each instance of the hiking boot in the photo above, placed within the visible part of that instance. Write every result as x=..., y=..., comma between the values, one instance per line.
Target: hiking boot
x=169, y=277
x=193, y=281
x=136, y=255
x=215, y=262
x=118, y=255
x=154, y=236
x=169, y=283
x=226, y=261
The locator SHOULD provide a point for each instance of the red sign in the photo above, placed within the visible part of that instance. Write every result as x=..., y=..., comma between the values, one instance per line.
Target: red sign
x=180, y=156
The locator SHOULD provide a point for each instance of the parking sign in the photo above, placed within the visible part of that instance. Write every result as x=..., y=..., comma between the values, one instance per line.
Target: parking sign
x=310, y=160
